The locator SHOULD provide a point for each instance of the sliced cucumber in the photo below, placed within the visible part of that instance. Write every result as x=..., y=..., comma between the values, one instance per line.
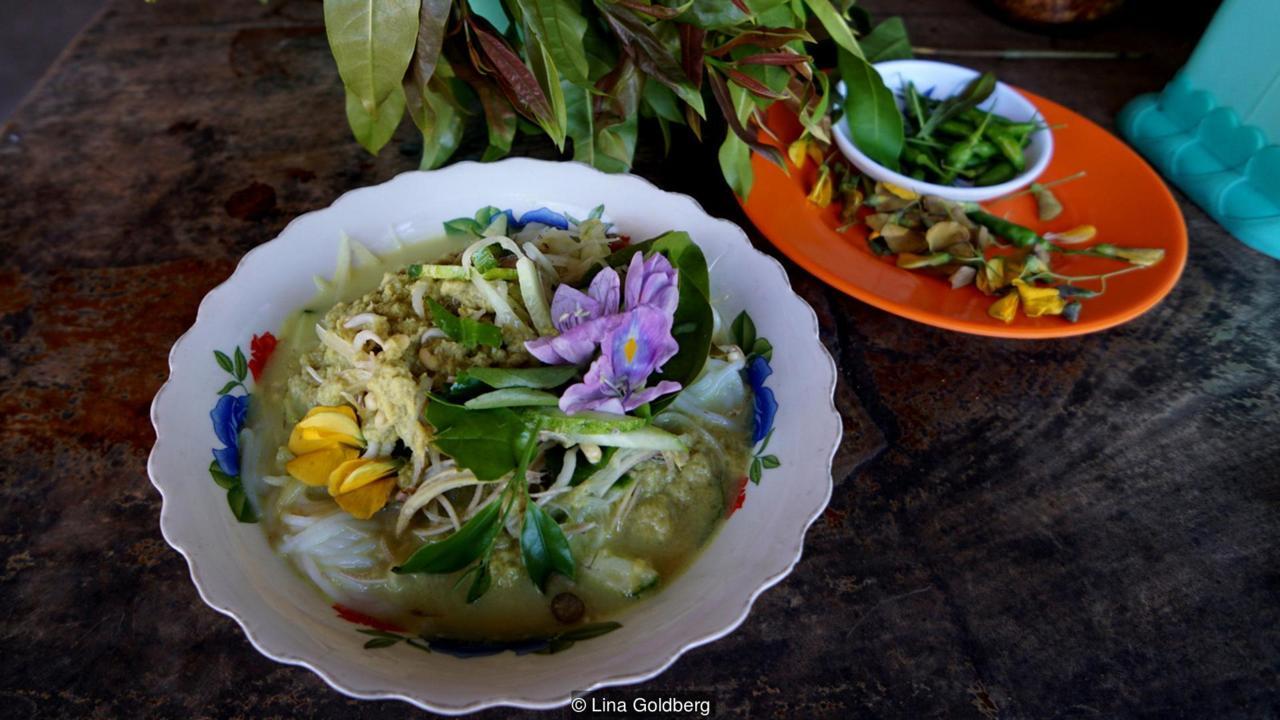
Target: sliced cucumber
x=646, y=438
x=624, y=575
x=512, y=397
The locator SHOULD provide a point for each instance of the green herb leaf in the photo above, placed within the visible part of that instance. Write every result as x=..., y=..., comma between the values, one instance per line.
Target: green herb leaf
x=432, y=18
x=544, y=546
x=480, y=584
x=512, y=397
x=459, y=549
x=372, y=43
x=651, y=54
x=415, y=271
x=499, y=116
x=224, y=481
x=464, y=330
x=978, y=90
x=483, y=441
x=871, y=113
x=437, y=114
x=539, y=378
x=241, y=507
x=713, y=14
x=743, y=332
x=548, y=74
x=517, y=82
x=887, y=41
x=224, y=362
x=835, y=25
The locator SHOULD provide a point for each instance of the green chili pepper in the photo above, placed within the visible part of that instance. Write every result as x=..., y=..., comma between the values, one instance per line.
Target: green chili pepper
x=956, y=128
x=920, y=158
x=1009, y=146
x=1011, y=231
x=958, y=155
x=996, y=174
x=984, y=150
x=1019, y=130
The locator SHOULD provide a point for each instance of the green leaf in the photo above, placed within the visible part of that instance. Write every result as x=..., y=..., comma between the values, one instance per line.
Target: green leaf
x=539, y=378
x=372, y=42
x=380, y=642
x=464, y=330
x=871, y=113
x=437, y=113
x=241, y=507
x=512, y=397
x=735, y=165
x=499, y=116
x=483, y=441
x=587, y=632
x=560, y=28
x=224, y=362
x=547, y=73
x=544, y=546
x=459, y=549
x=755, y=472
x=743, y=332
x=662, y=101
x=373, y=132
x=835, y=25
x=481, y=584
x=770, y=461
x=978, y=89
x=224, y=481
x=713, y=14
x=231, y=385
x=887, y=41
x=737, y=105
x=242, y=367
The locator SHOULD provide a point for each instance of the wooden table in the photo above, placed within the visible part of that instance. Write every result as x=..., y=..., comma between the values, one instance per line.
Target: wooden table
x=1077, y=528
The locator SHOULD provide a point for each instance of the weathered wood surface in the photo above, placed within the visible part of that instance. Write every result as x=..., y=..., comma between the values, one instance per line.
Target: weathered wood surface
x=1077, y=528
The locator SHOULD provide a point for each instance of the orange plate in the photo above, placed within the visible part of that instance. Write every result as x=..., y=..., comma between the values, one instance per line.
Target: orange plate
x=1121, y=195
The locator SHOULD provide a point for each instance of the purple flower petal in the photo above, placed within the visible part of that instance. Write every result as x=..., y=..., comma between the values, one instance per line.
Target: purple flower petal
x=606, y=290
x=570, y=307
x=652, y=282
x=639, y=345
x=666, y=387
x=574, y=346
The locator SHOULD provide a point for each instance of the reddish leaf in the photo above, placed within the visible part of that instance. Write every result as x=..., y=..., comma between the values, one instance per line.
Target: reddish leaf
x=692, y=42
x=768, y=38
x=755, y=86
x=721, y=92
x=498, y=113
x=649, y=52
x=432, y=18
x=619, y=94
x=742, y=5
x=661, y=12
x=515, y=79
x=775, y=58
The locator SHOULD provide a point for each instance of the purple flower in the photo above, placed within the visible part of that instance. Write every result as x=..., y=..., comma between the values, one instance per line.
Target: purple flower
x=652, y=282
x=582, y=320
x=630, y=352
x=766, y=405
x=228, y=417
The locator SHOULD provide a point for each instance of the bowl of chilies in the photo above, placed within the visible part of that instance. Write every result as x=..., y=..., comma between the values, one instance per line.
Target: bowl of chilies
x=966, y=136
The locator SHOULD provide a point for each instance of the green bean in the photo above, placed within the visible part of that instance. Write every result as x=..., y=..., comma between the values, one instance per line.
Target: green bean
x=996, y=174
x=1011, y=231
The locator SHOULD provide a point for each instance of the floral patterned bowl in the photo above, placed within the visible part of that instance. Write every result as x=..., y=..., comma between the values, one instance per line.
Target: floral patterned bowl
x=199, y=412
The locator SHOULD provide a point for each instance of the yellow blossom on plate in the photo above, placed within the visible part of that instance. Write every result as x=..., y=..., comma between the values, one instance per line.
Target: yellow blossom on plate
x=1074, y=236
x=900, y=191
x=323, y=427
x=820, y=195
x=1037, y=301
x=1005, y=308
x=798, y=151
x=313, y=468
x=362, y=486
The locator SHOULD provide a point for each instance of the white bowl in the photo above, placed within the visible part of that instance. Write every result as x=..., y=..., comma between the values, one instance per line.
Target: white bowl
x=942, y=80
x=285, y=618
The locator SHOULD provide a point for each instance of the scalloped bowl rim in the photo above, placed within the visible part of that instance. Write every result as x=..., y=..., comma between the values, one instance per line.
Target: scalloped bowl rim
x=817, y=399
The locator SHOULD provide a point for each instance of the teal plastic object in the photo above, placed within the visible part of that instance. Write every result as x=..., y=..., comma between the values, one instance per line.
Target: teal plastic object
x=1211, y=130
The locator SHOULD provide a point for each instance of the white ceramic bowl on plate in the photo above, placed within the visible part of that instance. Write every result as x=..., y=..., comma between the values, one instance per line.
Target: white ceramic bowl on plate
x=236, y=571
x=941, y=80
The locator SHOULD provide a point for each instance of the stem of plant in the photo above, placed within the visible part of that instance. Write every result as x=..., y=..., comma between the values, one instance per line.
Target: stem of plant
x=1050, y=184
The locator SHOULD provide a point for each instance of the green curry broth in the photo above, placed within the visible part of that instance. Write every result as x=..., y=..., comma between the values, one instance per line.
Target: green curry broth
x=674, y=513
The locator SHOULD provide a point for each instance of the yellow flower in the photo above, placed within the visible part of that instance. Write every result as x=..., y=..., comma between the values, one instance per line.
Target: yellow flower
x=323, y=427
x=1037, y=301
x=992, y=276
x=901, y=192
x=1144, y=257
x=799, y=150
x=820, y=195
x=313, y=468
x=1005, y=308
x=362, y=486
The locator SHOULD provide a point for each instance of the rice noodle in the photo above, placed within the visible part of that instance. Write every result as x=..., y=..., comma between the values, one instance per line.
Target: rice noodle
x=335, y=343
x=429, y=490
x=415, y=298
x=364, y=336
x=361, y=320
x=431, y=334
x=314, y=375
